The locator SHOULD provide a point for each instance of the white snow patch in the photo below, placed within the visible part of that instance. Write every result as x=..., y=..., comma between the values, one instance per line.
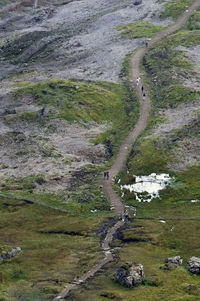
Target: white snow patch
x=161, y=221
x=95, y=210
x=150, y=185
x=194, y=201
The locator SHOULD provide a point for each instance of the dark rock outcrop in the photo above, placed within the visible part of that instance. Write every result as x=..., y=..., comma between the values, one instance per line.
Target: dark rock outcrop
x=137, y=2
x=130, y=275
x=193, y=265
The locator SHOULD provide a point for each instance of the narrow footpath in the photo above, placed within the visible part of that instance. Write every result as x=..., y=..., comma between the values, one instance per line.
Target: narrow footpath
x=145, y=106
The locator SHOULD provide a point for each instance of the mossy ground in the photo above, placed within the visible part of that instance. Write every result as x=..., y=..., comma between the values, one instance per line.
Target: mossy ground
x=139, y=29
x=175, y=8
x=85, y=102
x=56, y=247
x=150, y=242
x=83, y=195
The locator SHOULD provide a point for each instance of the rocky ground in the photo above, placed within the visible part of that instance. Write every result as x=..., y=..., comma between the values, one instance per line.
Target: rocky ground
x=73, y=39
x=51, y=39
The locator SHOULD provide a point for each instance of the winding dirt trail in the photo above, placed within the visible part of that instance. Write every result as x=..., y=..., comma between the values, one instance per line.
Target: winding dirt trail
x=145, y=106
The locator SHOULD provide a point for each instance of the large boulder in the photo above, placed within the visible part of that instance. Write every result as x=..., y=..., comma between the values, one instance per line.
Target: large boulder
x=130, y=275
x=194, y=265
x=172, y=263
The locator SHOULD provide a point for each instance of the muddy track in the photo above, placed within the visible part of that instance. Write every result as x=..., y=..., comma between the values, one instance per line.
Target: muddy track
x=145, y=106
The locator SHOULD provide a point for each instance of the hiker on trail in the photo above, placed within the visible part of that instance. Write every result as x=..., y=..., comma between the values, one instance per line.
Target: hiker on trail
x=42, y=111
x=137, y=80
x=144, y=95
x=106, y=175
x=142, y=89
x=126, y=214
x=146, y=44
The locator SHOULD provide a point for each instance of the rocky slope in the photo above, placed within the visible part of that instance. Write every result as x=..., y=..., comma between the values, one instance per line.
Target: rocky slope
x=66, y=39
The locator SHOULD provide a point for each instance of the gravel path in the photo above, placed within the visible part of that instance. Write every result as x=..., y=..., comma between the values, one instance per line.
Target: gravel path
x=145, y=106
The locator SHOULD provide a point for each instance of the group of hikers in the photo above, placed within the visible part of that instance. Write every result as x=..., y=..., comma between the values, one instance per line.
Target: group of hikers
x=106, y=175
x=125, y=215
x=138, y=78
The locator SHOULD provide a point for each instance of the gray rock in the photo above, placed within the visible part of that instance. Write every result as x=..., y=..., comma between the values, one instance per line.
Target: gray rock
x=130, y=275
x=174, y=260
x=193, y=265
x=172, y=263
x=12, y=253
x=137, y=2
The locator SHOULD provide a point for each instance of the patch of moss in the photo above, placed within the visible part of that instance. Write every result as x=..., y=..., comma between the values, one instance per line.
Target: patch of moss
x=175, y=8
x=56, y=247
x=165, y=66
x=19, y=183
x=160, y=284
x=150, y=156
x=194, y=21
x=85, y=102
x=139, y=29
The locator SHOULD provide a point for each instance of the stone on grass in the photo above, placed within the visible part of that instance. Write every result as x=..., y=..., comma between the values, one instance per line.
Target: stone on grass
x=193, y=265
x=172, y=263
x=12, y=253
x=130, y=275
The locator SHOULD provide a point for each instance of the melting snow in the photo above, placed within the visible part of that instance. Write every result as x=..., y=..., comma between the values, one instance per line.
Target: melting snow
x=161, y=221
x=194, y=201
x=147, y=188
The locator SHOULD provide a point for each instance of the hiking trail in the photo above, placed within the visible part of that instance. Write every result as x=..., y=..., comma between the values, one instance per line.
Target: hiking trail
x=145, y=106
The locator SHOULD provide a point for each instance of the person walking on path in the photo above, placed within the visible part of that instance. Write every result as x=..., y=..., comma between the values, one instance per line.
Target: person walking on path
x=142, y=89
x=137, y=80
x=106, y=175
x=144, y=95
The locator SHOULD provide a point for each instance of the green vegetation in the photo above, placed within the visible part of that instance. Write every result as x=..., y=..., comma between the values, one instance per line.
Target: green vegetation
x=150, y=242
x=175, y=8
x=83, y=196
x=194, y=21
x=29, y=116
x=85, y=102
x=139, y=29
x=164, y=65
x=56, y=247
x=78, y=101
